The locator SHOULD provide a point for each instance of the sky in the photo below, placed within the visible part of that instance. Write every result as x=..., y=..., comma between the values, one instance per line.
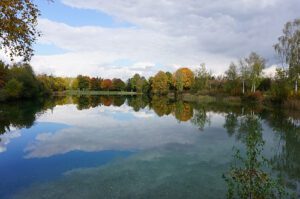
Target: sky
x=118, y=38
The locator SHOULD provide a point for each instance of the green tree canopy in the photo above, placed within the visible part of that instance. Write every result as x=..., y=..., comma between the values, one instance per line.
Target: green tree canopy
x=288, y=49
x=118, y=84
x=13, y=88
x=201, y=78
x=251, y=69
x=83, y=82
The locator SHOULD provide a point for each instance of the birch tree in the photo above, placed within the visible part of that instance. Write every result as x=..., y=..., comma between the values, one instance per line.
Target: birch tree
x=288, y=49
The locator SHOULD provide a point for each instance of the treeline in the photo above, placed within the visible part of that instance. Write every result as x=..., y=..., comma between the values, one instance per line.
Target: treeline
x=136, y=84
x=244, y=78
x=18, y=81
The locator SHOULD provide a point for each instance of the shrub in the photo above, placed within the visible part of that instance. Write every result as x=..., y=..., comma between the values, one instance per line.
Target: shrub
x=254, y=97
x=13, y=88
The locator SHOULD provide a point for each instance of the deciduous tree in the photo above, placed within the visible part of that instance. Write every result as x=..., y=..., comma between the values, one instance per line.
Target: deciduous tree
x=106, y=84
x=18, y=21
x=83, y=82
x=3, y=74
x=232, y=79
x=254, y=65
x=288, y=48
x=94, y=85
x=13, y=88
x=202, y=78
x=183, y=79
x=160, y=83
x=118, y=84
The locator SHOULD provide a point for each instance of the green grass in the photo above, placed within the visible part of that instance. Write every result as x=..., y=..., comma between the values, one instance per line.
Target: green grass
x=86, y=92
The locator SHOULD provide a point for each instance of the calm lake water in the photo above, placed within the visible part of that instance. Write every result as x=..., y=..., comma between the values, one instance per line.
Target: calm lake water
x=118, y=147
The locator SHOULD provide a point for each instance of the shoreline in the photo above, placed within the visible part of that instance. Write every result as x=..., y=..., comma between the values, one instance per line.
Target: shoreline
x=78, y=92
x=291, y=104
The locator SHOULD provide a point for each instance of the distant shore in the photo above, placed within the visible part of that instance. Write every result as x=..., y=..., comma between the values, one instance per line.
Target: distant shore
x=188, y=97
x=85, y=92
x=290, y=104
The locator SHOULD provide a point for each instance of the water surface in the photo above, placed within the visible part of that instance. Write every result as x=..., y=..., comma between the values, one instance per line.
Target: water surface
x=136, y=147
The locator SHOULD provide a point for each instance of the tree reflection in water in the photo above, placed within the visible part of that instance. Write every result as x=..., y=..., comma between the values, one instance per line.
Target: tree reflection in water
x=200, y=117
x=248, y=177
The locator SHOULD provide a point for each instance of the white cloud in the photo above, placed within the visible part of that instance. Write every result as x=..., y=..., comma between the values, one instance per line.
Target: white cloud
x=165, y=33
x=103, y=129
x=6, y=138
x=271, y=71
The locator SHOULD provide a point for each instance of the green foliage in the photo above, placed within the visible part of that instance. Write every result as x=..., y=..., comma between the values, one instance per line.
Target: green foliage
x=118, y=84
x=74, y=84
x=137, y=103
x=161, y=105
x=22, y=114
x=20, y=82
x=202, y=77
x=83, y=82
x=251, y=69
x=232, y=84
x=265, y=84
x=280, y=86
x=179, y=82
x=170, y=81
x=231, y=123
x=95, y=84
x=138, y=83
x=51, y=84
x=232, y=72
x=3, y=74
x=246, y=178
x=288, y=49
x=200, y=117
x=13, y=88
x=24, y=74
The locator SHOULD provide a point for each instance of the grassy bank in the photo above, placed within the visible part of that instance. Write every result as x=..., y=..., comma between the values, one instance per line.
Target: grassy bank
x=206, y=98
x=79, y=92
x=290, y=104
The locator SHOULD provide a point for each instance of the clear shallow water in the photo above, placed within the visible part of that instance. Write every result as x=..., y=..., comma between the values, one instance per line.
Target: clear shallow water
x=113, y=147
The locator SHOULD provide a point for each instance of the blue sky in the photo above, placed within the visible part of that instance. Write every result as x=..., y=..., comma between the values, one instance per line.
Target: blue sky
x=59, y=12
x=124, y=37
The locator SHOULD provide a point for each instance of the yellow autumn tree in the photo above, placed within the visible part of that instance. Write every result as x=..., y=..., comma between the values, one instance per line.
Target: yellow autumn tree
x=183, y=111
x=160, y=83
x=183, y=79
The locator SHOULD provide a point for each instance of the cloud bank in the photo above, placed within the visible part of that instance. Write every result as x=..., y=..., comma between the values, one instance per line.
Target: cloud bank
x=164, y=35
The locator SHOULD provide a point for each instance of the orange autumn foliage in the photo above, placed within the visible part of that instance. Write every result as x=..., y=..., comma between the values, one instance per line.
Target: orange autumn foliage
x=106, y=84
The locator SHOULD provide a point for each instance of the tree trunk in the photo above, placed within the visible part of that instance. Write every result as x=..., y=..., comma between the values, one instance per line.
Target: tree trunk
x=296, y=86
x=243, y=86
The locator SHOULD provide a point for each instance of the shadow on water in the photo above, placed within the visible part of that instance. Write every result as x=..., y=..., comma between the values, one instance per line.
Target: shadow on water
x=177, y=170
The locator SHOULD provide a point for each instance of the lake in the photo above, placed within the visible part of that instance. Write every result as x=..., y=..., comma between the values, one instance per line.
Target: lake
x=136, y=147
